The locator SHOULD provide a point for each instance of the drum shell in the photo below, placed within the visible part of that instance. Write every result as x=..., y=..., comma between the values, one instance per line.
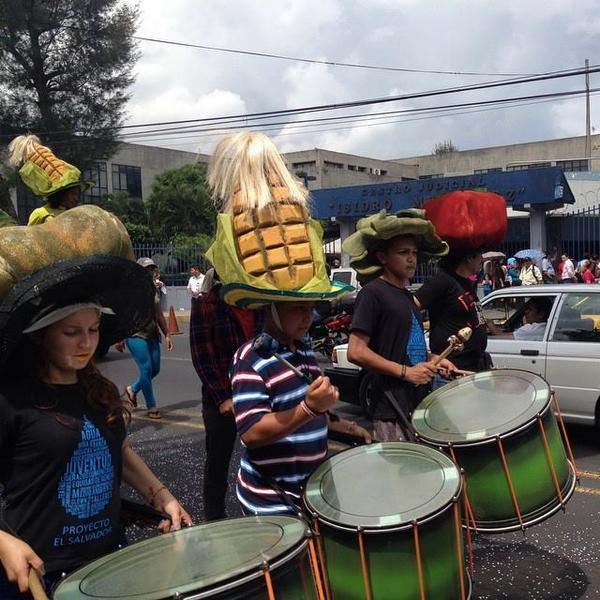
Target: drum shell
x=292, y=580
x=391, y=560
x=530, y=471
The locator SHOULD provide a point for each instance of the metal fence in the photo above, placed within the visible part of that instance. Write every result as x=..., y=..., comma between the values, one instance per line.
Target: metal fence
x=173, y=261
x=577, y=233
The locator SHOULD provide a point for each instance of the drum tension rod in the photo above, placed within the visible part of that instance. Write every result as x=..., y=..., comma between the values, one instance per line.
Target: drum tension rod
x=510, y=483
x=457, y=530
x=267, y=575
x=321, y=553
x=364, y=566
x=551, y=462
x=415, y=526
x=469, y=516
x=314, y=564
x=565, y=437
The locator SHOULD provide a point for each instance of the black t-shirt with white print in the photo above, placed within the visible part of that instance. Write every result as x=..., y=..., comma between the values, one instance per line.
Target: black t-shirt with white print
x=60, y=468
x=453, y=304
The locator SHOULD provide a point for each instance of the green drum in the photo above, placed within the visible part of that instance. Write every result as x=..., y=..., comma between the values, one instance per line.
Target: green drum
x=221, y=560
x=388, y=524
x=500, y=428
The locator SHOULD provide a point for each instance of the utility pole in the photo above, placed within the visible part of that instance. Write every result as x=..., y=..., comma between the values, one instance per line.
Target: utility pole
x=588, y=127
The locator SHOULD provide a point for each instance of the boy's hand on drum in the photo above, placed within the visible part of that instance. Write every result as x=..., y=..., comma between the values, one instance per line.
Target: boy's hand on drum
x=420, y=373
x=447, y=369
x=18, y=558
x=321, y=395
x=167, y=503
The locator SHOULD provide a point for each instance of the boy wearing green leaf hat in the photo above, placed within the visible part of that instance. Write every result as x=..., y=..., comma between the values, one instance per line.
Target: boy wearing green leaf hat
x=387, y=333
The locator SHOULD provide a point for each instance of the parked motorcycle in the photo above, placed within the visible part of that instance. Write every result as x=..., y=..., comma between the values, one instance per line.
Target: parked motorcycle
x=328, y=332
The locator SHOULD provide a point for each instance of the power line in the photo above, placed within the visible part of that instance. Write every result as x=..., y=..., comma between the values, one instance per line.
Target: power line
x=359, y=116
x=351, y=104
x=330, y=63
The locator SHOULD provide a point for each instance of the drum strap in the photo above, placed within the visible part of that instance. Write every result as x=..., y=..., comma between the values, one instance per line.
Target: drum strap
x=403, y=419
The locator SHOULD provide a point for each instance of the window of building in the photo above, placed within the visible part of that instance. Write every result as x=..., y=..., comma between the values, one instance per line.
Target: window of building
x=383, y=172
x=362, y=169
x=490, y=170
x=351, y=167
x=434, y=176
x=304, y=165
x=97, y=175
x=573, y=165
x=128, y=179
x=333, y=165
x=539, y=165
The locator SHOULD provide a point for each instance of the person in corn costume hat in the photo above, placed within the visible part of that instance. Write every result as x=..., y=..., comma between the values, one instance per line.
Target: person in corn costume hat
x=47, y=176
x=268, y=254
x=386, y=336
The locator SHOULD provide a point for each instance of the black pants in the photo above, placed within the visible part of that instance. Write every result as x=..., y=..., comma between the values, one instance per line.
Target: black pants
x=220, y=439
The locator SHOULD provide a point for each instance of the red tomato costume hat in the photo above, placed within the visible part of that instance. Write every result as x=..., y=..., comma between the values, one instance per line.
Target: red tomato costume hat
x=469, y=220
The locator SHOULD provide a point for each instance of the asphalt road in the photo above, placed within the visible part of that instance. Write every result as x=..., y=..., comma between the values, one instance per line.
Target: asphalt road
x=557, y=559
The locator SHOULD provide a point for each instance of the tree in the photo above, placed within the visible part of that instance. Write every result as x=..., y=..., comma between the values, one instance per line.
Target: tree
x=180, y=203
x=445, y=147
x=129, y=210
x=65, y=70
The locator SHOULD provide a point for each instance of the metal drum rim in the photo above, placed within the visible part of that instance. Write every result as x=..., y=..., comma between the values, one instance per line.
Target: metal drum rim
x=491, y=438
x=229, y=583
x=424, y=449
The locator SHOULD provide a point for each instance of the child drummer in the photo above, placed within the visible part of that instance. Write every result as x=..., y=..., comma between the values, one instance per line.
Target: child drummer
x=387, y=334
x=268, y=254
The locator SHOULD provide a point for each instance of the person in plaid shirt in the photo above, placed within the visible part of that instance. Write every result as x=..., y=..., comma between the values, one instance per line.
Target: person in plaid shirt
x=217, y=330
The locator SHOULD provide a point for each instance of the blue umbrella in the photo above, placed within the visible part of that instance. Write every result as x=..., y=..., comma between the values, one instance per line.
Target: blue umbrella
x=533, y=253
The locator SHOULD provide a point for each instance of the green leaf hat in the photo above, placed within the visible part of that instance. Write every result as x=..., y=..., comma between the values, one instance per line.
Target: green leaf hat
x=373, y=230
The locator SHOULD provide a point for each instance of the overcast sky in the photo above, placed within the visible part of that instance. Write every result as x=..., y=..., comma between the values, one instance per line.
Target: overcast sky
x=513, y=36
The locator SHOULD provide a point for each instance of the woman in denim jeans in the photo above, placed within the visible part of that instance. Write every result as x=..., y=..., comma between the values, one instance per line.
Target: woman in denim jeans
x=144, y=347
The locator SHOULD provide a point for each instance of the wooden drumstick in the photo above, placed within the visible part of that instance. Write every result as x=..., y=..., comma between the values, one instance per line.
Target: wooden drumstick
x=455, y=342
x=36, y=588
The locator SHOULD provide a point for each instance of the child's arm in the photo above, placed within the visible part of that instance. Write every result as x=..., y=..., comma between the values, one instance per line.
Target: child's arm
x=272, y=426
x=360, y=354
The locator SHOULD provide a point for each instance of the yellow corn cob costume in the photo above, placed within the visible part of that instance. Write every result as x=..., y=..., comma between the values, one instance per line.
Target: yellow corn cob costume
x=42, y=171
x=267, y=247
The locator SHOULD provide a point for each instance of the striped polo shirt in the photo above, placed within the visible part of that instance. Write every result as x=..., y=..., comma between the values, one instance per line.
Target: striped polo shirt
x=265, y=385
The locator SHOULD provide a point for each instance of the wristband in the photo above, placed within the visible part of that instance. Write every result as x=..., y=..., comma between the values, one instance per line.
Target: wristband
x=403, y=372
x=160, y=489
x=307, y=409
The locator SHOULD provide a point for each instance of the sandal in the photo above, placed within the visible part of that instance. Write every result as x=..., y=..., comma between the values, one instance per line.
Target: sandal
x=131, y=396
x=154, y=413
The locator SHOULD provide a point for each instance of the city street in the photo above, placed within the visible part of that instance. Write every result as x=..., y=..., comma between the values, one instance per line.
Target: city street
x=557, y=559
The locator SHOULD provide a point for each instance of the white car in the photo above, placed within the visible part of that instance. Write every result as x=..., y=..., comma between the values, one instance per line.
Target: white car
x=567, y=354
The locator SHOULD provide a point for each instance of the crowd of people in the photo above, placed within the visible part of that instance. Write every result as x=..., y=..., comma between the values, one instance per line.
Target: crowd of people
x=495, y=274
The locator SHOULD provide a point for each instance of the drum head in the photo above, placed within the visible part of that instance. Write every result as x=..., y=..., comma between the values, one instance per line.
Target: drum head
x=481, y=406
x=382, y=486
x=206, y=557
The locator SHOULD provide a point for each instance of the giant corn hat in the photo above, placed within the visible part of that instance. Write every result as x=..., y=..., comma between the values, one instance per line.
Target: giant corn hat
x=267, y=248
x=41, y=171
x=372, y=231
x=82, y=255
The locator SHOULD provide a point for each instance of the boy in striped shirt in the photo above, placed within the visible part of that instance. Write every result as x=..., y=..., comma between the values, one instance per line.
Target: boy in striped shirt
x=280, y=416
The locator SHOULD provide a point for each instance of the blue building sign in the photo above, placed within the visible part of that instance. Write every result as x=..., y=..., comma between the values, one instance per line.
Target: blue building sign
x=534, y=187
